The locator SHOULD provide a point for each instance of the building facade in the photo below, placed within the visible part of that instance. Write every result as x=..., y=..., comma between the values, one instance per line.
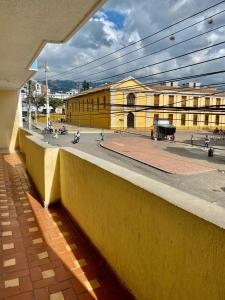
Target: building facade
x=131, y=104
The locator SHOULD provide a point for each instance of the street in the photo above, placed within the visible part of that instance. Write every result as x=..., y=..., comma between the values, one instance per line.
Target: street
x=208, y=185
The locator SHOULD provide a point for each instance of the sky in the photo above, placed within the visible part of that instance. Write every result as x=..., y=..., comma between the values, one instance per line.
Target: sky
x=119, y=23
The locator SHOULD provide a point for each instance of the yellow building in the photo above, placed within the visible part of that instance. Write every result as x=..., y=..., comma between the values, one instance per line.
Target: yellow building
x=131, y=104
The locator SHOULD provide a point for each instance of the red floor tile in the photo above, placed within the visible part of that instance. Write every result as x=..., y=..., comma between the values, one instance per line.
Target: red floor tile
x=36, y=269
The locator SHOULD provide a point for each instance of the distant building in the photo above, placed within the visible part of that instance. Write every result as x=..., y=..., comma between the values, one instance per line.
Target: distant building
x=123, y=105
x=38, y=91
x=61, y=95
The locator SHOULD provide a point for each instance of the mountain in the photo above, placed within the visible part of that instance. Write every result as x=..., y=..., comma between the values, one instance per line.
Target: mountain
x=66, y=85
x=61, y=85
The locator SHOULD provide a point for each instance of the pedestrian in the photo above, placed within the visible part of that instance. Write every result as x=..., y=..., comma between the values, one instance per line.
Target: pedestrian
x=173, y=138
x=192, y=139
x=56, y=134
x=206, y=143
x=102, y=136
x=152, y=134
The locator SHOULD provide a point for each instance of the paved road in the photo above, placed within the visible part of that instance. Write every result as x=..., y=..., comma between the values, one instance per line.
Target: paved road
x=209, y=186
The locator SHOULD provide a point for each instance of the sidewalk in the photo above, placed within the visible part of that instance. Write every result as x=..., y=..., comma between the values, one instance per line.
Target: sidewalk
x=71, y=128
x=146, y=151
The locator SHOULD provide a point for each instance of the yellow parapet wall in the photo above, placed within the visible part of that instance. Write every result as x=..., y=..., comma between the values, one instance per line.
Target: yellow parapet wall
x=157, y=239
x=42, y=163
x=53, y=117
x=23, y=133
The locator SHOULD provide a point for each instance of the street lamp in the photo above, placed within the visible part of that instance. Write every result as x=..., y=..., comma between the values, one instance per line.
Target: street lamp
x=47, y=98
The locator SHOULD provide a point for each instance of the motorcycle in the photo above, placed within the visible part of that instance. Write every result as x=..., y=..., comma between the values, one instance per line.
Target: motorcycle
x=76, y=140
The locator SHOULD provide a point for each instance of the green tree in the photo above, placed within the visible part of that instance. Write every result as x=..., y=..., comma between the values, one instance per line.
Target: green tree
x=55, y=102
x=40, y=101
x=85, y=85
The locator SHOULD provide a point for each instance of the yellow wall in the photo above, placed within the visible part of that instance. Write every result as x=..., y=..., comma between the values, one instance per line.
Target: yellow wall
x=42, y=163
x=9, y=121
x=159, y=251
x=53, y=117
x=79, y=114
x=154, y=237
x=164, y=100
x=142, y=120
x=119, y=96
x=23, y=133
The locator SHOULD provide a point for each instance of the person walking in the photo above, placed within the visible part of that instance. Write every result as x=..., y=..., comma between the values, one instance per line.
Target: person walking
x=56, y=134
x=192, y=139
x=206, y=142
x=173, y=138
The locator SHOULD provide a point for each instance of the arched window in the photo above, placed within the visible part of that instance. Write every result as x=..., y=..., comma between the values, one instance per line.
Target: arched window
x=130, y=99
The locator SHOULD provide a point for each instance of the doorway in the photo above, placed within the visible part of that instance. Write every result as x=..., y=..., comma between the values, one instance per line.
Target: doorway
x=130, y=120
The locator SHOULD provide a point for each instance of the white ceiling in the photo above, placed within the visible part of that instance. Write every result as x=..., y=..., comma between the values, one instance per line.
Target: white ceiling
x=27, y=25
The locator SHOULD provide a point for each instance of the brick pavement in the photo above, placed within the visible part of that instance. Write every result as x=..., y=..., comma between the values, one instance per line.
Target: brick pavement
x=41, y=255
x=146, y=151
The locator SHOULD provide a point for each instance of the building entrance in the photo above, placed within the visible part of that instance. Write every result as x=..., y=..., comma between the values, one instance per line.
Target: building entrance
x=130, y=120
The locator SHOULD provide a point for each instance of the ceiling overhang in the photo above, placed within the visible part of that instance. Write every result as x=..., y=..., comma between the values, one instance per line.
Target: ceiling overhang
x=26, y=26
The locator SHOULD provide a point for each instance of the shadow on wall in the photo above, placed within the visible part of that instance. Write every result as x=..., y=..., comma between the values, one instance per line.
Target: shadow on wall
x=42, y=163
x=8, y=119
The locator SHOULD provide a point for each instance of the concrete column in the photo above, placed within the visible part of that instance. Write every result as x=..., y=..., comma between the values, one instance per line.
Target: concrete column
x=9, y=119
x=20, y=109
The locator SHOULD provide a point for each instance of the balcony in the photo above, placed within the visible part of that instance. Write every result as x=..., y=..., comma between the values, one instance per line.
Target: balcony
x=43, y=254
x=146, y=231
x=73, y=226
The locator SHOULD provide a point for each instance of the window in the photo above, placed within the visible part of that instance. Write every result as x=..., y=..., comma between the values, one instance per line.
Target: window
x=83, y=105
x=206, y=119
x=87, y=106
x=171, y=100
x=183, y=119
x=207, y=102
x=218, y=101
x=195, y=120
x=195, y=102
x=104, y=103
x=98, y=104
x=217, y=121
x=170, y=117
x=156, y=117
x=183, y=101
x=156, y=100
x=131, y=99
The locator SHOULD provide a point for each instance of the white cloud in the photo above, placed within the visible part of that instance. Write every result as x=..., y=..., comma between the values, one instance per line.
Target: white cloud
x=101, y=36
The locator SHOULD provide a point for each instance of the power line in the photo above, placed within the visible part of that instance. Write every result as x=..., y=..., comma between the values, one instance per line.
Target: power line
x=148, y=107
x=152, y=53
x=163, y=61
x=176, y=69
x=142, y=39
x=150, y=84
x=177, y=102
x=147, y=45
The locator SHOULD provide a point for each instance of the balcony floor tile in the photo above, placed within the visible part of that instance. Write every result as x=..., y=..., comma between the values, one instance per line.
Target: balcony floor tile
x=43, y=256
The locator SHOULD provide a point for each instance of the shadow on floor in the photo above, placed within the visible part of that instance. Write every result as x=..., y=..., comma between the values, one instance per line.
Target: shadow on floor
x=45, y=255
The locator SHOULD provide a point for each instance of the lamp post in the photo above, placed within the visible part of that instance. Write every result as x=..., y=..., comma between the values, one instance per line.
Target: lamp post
x=47, y=98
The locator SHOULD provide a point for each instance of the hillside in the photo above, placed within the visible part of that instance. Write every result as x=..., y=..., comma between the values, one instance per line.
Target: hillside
x=66, y=85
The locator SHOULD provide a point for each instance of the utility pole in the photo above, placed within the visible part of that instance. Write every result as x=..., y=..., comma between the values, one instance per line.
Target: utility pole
x=47, y=99
x=29, y=97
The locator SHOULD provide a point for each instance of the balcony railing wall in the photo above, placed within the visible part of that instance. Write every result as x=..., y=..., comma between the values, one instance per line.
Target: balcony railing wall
x=162, y=243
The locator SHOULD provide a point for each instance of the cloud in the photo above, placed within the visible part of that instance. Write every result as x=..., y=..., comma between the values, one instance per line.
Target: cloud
x=119, y=23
